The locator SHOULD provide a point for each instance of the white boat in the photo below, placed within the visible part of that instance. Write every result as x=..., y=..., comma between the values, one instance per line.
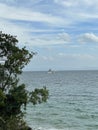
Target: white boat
x=50, y=71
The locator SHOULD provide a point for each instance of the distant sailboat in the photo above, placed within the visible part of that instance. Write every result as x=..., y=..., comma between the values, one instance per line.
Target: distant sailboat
x=50, y=71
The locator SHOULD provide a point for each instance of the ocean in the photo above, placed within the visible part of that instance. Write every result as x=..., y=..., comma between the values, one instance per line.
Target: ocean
x=72, y=103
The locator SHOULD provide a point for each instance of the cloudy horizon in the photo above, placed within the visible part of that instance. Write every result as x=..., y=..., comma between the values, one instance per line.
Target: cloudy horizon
x=64, y=33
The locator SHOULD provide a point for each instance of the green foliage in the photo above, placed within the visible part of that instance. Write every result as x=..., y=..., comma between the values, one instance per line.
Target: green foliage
x=39, y=95
x=2, y=98
x=13, y=95
x=13, y=123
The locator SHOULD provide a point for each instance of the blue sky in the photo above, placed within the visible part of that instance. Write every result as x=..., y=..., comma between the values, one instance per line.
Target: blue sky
x=64, y=33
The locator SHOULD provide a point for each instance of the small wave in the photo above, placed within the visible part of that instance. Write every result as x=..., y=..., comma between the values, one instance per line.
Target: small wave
x=41, y=128
x=78, y=110
x=57, y=83
x=54, y=114
x=83, y=117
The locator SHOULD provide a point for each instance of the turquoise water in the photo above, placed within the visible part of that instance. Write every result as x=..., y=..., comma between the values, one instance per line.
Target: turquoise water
x=72, y=103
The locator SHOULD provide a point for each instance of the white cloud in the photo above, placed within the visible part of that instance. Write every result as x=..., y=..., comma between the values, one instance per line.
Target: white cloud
x=76, y=3
x=23, y=33
x=50, y=39
x=76, y=10
x=66, y=3
x=64, y=36
x=13, y=13
x=8, y=13
x=46, y=58
x=14, y=29
x=26, y=38
x=88, y=38
x=82, y=57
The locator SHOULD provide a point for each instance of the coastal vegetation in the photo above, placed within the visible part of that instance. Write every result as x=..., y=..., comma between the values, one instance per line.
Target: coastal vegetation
x=13, y=95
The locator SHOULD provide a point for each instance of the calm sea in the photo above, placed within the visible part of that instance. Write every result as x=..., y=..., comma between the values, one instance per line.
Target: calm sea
x=72, y=103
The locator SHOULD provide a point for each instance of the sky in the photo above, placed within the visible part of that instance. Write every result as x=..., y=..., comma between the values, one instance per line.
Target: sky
x=64, y=33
